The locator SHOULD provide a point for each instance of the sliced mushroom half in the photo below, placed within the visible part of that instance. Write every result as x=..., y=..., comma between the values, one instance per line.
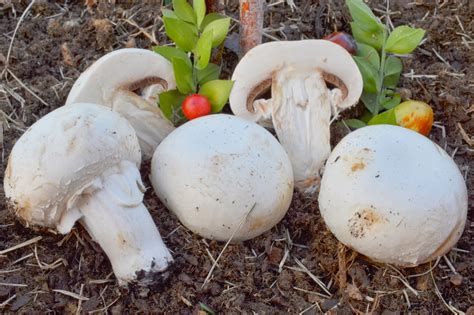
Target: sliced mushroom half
x=129, y=81
x=310, y=81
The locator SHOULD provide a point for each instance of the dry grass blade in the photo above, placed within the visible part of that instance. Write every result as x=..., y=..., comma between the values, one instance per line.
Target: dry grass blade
x=438, y=293
x=227, y=244
x=21, y=245
x=14, y=32
x=312, y=276
x=5, y=303
x=18, y=285
x=465, y=136
x=27, y=88
x=72, y=294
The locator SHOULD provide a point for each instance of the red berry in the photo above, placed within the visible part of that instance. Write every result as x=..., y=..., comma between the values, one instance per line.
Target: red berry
x=343, y=39
x=195, y=106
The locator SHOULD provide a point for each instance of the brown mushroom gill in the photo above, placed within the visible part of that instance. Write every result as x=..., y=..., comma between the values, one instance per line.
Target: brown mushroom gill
x=265, y=85
x=142, y=83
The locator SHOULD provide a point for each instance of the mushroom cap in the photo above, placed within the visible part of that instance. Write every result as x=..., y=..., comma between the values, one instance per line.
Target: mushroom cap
x=213, y=170
x=393, y=195
x=260, y=62
x=61, y=155
x=120, y=69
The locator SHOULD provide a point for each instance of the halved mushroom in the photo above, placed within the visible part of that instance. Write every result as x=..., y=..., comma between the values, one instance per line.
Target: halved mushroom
x=117, y=79
x=302, y=104
x=80, y=163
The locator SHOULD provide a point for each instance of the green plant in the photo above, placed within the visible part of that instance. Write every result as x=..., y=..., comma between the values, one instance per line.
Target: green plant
x=195, y=34
x=377, y=50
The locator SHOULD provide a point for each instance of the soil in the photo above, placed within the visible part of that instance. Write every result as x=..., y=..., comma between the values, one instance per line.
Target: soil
x=56, y=41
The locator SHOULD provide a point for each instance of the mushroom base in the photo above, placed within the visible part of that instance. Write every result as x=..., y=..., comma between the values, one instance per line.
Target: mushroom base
x=114, y=215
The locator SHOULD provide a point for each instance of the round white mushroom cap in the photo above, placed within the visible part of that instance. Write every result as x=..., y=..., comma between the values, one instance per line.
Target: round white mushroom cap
x=393, y=195
x=114, y=81
x=220, y=172
x=60, y=155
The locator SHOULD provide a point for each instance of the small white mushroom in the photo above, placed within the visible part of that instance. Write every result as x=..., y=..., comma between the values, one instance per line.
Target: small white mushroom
x=393, y=195
x=114, y=81
x=301, y=103
x=219, y=172
x=80, y=163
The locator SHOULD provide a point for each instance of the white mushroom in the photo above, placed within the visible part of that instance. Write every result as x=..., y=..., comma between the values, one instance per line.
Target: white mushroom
x=393, y=195
x=220, y=172
x=80, y=162
x=114, y=81
x=301, y=103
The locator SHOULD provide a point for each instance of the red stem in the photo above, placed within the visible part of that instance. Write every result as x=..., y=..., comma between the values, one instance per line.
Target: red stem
x=251, y=24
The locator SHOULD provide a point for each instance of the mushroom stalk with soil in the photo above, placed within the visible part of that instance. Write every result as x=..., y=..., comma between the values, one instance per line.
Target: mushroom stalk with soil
x=301, y=105
x=129, y=81
x=80, y=163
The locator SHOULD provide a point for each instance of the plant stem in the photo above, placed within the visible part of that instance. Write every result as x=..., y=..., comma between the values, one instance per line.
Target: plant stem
x=383, y=56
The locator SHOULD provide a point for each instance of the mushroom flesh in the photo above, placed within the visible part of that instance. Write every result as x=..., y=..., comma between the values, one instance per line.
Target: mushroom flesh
x=80, y=163
x=393, y=195
x=114, y=81
x=301, y=104
x=224, y=177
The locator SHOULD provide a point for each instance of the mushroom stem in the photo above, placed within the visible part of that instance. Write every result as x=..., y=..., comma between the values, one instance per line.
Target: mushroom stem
x=251, y=24
x=148, y=121
x=114, y=215
x=301, y=113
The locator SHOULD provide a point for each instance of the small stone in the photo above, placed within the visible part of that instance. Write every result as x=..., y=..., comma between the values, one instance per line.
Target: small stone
x=275, y=255
x=470, y=310
x=456, y=279
x=353, y=292
x=328, y=304
x=405, y=93
x=20, y=302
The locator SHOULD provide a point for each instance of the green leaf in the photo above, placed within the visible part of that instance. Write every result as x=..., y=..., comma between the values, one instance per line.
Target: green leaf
x=217, y=91
x=182, y=33
x=370, y=101
x=206, y=308
x=374, y=39
x=169, y=14
x=211, y=72
x=220, y=28
x=211, y=17
x=184, y=76
x=393, y=69
x=170, y=104
x=391, y=102
x=369, y=74
x=200, y=9
x=369, y=53
x=404, y=39
x=184, y=11
x=385, y=118
x=362, y=15
x=172, y=52
x=354, y=123
x=202, y=52
x=366, y=116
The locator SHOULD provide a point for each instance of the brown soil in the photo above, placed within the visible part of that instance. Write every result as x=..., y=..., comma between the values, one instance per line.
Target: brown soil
x=56, y=42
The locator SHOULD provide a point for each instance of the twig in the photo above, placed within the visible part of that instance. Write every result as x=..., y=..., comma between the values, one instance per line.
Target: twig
x=227, y=244
x=72, y=294
x=312, y=276
x=21, y=245
x=27, y=88
x=5, y=303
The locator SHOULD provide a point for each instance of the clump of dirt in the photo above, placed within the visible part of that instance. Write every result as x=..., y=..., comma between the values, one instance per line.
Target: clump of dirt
x=296, y=267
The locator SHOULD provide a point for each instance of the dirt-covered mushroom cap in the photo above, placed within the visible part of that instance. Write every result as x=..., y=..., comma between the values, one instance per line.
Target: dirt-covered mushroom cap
x=114, y=81
x=220, y=171
x=393, y=195
x=80, y=163
x=300, y=74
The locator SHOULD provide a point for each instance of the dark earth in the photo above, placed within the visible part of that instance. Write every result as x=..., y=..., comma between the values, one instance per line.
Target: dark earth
x=56, y=41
